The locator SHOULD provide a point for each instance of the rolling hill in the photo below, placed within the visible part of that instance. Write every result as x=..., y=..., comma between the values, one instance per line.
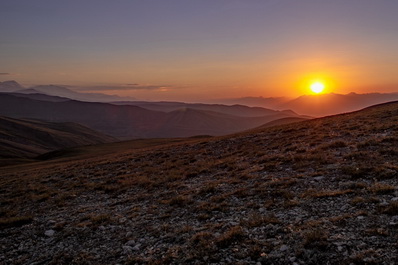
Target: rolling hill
x=318, y=105
x=330, y=104
x=128, y=121
x=236, y=110
x=322, y=191
x=21, y=138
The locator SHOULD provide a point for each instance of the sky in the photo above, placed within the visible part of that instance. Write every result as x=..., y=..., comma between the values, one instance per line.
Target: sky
x=204, y=49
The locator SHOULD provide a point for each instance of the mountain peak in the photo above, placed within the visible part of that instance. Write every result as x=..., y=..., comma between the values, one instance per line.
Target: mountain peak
x=10, y=86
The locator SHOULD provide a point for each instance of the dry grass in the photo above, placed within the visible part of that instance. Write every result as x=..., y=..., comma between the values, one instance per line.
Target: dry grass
x=382, y=188
x=15, y=221
x=315, y=238
x=240, y=196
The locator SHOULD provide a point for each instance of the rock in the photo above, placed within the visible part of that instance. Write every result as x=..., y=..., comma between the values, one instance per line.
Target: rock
x=394, y=221
x=127, y=250
x=283, y=248
x=49, y=233
x=137, y=247
x=130, y=243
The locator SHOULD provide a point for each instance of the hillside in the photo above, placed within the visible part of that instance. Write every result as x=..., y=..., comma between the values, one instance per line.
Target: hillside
x=128, y=121
x=322, y=191
x=318, y=105
x=282, y=121
x=330, y=104
x=236, y=110
x=28, y=138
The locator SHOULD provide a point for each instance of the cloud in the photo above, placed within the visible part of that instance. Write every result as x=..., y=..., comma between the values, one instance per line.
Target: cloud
x=5, y=74
x=125, y=87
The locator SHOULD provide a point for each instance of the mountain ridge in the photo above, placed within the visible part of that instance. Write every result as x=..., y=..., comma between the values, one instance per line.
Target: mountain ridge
x=27, y=138
x=129, y=121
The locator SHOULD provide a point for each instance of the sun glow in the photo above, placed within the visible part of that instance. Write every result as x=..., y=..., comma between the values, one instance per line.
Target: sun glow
x=317, y=87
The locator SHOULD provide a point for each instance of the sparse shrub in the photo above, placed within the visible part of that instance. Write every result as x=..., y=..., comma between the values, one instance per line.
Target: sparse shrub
x=291, y=203
x=368, y=257
x=15, y=221
x=325, y=193
x=179, y=200
x=100, y=219
x=337, y=144
x=341, y=219
x=388, y=152
x=254, y=220
x=376, y=232
x=315, y=238
x=271, y=219
x=369, y=143
x=356, y=172
x=381, y=188
x=232, y=235
x=285, y=194
x=208, y=188
x=41, y=197
x=354, y=185
x=357, y=200
x=391, y=209
x=201, y=239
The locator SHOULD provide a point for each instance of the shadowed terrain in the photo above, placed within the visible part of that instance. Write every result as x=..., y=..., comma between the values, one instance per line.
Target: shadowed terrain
x=322, y=191
x=129, y=122
x=21, y=138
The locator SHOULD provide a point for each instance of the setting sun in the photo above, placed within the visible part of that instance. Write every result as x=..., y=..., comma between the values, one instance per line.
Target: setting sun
x=317, y=87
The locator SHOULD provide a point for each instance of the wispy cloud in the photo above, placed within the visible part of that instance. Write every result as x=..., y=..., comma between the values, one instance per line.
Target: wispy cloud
x=5, y=74
x=125, y=87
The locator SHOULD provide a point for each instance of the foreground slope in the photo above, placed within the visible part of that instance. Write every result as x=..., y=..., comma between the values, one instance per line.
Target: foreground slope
x=322, y=191
x=21, y=138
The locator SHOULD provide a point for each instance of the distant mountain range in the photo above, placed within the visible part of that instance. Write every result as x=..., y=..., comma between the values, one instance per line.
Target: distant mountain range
x=140, y=119
x=318, y=105
x=311, y=105
x=22, y=138
x=128, y=121
x=59, y=91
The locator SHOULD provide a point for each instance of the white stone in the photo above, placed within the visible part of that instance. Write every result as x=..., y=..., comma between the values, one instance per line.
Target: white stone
x=49, y=233
x=284, y=248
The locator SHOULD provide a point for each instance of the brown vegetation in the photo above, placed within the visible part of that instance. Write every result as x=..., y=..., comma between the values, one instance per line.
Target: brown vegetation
x=319, y=191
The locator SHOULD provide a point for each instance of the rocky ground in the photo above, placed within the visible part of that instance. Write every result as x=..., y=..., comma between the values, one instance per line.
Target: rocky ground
x=316, y=192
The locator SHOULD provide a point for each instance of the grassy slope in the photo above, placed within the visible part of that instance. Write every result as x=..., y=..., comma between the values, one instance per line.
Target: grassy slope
x=21, y=138
x=317, y=191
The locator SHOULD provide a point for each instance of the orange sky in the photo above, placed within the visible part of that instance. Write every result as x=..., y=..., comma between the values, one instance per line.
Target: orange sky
x=183, y=50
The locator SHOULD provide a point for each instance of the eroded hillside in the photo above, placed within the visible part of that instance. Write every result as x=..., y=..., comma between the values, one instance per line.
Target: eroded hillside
x=322, y=191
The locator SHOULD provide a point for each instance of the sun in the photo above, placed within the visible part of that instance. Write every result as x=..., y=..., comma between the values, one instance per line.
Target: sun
x=317, y=87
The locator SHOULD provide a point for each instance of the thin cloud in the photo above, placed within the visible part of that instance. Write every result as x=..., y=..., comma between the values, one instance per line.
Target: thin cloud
x=125, y=87
x=5, y=74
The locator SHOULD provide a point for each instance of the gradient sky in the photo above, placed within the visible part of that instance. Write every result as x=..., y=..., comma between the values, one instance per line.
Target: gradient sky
x=194, y=50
